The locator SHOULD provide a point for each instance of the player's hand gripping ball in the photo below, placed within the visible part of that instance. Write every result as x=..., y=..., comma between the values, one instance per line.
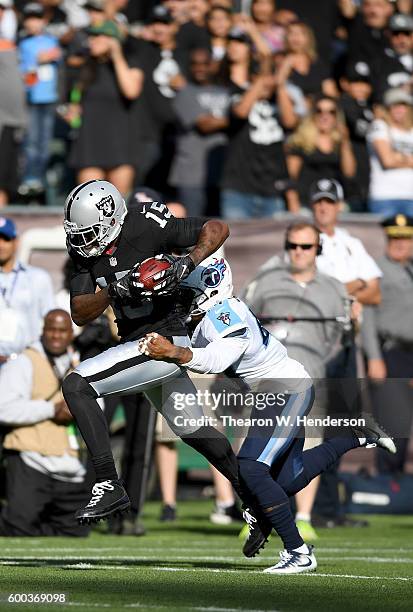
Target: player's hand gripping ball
x=152, y=272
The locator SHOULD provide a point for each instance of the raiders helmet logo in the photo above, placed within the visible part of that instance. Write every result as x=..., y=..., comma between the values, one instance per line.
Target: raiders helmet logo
x=224, y=318
x=107, y=206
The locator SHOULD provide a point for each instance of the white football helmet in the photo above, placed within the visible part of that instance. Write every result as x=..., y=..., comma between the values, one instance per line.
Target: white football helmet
x=210, y=283
x=94, y=214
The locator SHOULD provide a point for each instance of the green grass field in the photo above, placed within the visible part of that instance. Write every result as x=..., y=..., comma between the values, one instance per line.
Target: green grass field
x=196, y=566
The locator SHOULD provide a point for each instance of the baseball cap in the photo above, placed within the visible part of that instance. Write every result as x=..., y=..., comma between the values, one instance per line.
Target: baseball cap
x=94, y=5
x=398, y=226
x=33, y=9
x=5, y=4
x=398, y=95
x=357, y=72
x=240, y=35
x=326, y=188
x=160, y=14
x=8, y=228
x=401, y=23
x=107, y=28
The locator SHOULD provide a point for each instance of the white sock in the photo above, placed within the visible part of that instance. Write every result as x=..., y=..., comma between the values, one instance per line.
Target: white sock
x=362, y=441
x=224, y=505
x=303, y=516
x=304, y=550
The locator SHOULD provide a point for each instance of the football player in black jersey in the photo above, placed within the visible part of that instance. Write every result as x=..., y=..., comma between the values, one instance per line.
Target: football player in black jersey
x=107, y=242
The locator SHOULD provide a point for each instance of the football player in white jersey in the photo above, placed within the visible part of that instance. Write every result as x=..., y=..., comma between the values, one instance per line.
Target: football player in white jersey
x=272, y=463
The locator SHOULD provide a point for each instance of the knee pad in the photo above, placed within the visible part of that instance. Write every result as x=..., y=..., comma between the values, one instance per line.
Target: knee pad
x=75, y=384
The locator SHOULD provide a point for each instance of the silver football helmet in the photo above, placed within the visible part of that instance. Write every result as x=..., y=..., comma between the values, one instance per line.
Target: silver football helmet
x=210, y=283
x=94, y=214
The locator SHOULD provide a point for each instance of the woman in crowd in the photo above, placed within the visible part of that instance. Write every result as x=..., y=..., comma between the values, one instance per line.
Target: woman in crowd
x=263, y=13
x=255, y=174
x=391, y=156
x=109, y=83
x=219, y=24
x=319, y=147
x=302, y=65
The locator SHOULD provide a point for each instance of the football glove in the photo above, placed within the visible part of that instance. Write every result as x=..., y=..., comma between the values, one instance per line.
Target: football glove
x=127, y=287
x=181, y=268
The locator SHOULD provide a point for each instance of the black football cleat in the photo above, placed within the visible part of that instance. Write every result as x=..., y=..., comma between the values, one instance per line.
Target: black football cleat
x=374, y=435
x=109, y=498
x=259, y=530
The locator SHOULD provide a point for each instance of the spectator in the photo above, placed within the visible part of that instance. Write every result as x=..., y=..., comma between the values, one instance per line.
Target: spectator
x=219, y=23
x=12, y=120
x=162, y=64
x=391, y=156
x=367, y=28
x=394, y=68
x=255, y=173
x=263, y=13
x=202, y=111
x=8, y=21
x=323, y=20
x=45, y=479
x=302, y=65
x=296, y=290
x=387, y=334
x=319, y=147
x=26, y=295
x=190, y=30
x=109, y=83
x=39, y=57
x=57, y=21
x=357, y=108
x=344, y=257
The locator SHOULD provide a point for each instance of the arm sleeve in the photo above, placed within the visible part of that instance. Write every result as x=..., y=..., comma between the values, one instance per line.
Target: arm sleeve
x=369, y=333
x=16, y=405
x=183, y=233
x=218, y=355
x=368, y=269
x=81, y=282
x=378, y=131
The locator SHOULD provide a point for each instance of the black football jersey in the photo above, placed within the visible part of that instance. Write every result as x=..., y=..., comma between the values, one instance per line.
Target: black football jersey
x=149, y=229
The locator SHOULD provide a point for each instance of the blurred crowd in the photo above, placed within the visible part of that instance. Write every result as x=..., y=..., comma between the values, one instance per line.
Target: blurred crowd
x=232, y=108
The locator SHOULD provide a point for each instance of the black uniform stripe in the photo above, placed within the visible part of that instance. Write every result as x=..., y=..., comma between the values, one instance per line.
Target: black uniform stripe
x=76, y=191
x=118, y=367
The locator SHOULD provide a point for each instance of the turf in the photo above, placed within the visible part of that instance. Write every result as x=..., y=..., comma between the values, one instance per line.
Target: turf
x=194, y=565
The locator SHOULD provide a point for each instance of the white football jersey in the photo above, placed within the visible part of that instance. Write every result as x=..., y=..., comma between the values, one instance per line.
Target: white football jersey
x=263, y=357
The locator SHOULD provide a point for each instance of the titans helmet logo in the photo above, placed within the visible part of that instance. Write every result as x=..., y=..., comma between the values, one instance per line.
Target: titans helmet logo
x=107, y=206
x=213, y=275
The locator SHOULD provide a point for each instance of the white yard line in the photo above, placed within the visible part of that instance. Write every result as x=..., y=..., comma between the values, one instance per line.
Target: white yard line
x=161, y=607
x=83, y=566
x=5, y=560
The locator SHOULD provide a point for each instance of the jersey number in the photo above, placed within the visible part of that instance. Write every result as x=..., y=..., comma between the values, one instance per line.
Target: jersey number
x=161, y=215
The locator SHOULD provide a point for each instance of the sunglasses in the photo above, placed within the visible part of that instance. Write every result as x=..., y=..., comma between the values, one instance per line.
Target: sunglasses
x=325, y=111
x=293, y=246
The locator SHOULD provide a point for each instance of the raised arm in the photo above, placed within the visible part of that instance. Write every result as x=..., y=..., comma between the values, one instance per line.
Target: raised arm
x=213, y=234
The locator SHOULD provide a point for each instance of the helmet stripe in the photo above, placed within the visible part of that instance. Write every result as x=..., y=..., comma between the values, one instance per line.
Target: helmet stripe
x=74, y=194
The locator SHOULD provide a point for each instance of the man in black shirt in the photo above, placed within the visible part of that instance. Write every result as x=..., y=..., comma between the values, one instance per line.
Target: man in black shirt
x=394, y=68
x=108, y=242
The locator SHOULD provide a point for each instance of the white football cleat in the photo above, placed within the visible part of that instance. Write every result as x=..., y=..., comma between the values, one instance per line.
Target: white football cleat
x=294, y=562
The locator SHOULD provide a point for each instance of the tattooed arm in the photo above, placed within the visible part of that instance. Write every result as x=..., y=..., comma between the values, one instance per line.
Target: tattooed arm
x=213, y=235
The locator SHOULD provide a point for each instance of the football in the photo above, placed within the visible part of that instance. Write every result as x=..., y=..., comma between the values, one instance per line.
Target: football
x=151, y=271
